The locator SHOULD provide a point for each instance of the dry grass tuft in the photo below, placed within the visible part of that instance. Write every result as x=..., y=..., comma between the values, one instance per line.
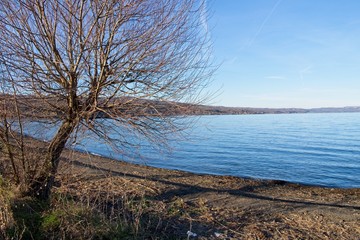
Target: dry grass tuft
x=6, y=195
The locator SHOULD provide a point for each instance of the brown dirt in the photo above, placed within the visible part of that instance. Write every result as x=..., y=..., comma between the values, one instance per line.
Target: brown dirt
x=219, y=207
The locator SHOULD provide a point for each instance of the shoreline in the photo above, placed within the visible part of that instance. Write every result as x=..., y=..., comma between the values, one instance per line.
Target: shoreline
x=232, y=206
x=210, y=174
x=95, y=160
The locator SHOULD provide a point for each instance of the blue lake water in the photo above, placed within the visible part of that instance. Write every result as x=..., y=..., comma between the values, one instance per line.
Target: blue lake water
x=316, y=149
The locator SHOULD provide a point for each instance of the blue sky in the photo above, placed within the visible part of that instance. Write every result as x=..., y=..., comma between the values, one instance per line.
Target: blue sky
x=286, y=53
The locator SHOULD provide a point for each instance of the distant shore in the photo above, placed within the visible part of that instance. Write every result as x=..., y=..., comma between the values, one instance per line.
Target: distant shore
x=222, y=110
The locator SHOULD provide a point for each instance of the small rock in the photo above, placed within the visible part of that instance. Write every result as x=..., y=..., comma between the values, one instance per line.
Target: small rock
x=191, y=234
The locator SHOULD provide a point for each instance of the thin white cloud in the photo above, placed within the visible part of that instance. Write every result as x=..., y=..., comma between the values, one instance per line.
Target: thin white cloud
x=276, y=77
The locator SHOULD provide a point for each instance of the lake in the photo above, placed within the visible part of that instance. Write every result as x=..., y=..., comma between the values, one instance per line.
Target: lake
x=315, y=149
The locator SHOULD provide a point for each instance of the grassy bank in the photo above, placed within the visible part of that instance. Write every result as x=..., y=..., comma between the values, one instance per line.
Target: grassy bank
x=98, y=198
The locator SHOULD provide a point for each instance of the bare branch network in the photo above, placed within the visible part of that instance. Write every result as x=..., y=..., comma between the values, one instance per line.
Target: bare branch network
x=77, y=60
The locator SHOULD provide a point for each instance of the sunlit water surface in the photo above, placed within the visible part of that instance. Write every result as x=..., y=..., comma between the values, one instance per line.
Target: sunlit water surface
x=315, y=149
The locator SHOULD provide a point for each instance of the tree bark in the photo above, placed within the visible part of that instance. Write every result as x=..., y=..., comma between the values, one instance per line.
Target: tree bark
x=41, y=186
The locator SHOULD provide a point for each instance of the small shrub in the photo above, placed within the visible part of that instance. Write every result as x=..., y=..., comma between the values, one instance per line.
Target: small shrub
x=51, y=221
x=27, y=216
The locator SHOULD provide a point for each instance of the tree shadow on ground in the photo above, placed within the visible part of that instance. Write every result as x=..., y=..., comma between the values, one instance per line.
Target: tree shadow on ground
x=183, y=189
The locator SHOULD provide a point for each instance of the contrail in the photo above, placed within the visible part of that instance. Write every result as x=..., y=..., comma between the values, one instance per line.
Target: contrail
x=263, y=23
x=203, y=16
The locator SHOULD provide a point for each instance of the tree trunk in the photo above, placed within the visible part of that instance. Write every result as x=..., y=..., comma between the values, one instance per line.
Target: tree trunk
x=41, y=186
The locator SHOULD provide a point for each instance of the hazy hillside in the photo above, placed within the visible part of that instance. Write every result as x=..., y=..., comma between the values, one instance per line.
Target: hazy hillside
x=45, y=108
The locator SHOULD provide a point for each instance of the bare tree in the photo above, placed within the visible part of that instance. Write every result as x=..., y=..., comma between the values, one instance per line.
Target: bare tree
x=78, y=60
